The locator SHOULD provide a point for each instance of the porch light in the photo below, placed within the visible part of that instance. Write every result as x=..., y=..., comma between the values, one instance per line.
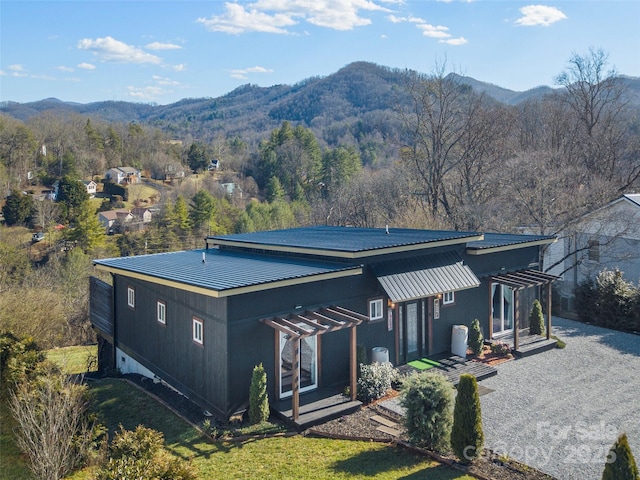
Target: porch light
x=390, y=304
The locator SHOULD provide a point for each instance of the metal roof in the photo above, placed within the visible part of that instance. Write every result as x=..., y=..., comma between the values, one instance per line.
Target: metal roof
x=344, y=241
x=224, y=271
x=505, y=241
x=425, y=276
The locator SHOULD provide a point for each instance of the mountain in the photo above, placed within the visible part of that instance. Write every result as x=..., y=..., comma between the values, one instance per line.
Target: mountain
x=355, y=100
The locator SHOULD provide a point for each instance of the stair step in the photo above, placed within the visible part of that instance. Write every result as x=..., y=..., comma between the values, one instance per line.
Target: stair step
x=384, y=421
x=390, y=431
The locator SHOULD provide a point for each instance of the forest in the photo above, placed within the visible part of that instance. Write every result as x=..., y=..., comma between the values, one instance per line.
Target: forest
x=420, y=151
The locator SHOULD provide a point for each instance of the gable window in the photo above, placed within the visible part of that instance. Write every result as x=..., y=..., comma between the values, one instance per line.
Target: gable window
x=594, y=250
x=198, y=333
x=161, y=309
x=448, y=298
x=131, y=297
x=375, y=309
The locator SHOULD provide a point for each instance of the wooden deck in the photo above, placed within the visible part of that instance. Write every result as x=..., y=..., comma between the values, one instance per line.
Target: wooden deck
x=452, y=366
x=316, y=407
x=530, y=344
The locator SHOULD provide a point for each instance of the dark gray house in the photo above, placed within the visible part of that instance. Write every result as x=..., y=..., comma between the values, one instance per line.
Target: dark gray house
x=299, y=301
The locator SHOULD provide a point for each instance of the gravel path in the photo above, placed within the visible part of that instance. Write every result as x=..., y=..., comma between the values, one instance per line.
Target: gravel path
x=561, y=410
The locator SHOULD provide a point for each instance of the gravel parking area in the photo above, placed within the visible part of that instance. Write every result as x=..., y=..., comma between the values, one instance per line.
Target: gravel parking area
x=561, y=410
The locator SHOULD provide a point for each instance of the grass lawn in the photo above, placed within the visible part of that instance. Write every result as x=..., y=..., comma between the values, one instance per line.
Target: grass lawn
x=77, y=359
x=117, y=402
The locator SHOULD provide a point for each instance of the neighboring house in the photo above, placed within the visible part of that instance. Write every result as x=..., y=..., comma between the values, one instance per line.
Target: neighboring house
x=142, y=214
x=91, y=187
x=607, y=238
x=231, y=189
x=123, y=175
x=201, y=320
x=112, y=219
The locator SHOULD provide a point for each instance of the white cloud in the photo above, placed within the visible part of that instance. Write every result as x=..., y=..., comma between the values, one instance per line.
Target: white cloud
x=455, y=41
x=434, y=31
x=86, y=66
x=165, y=81
x=16, y=68
x=163, y=46
x=242, y=74
x=410, y=19
x=273, y=16
x=181, y=67
x=62, y=68
x=109, y=49
x=145, y=93
x=539, y=15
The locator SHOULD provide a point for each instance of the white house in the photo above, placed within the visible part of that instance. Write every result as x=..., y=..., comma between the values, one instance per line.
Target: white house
x=113, y=218
x=607, y=238
x=123, y=175
x=91, y=187
x=142, y=214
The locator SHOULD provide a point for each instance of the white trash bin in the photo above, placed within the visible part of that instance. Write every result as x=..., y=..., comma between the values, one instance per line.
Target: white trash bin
x=380, y=355
x=459, y=336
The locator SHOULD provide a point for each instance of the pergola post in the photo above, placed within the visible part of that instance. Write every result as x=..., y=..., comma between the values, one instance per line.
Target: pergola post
x=490, y=303
x=549, y=311
x=295, y=385
x=516, y=319
x=353, y=364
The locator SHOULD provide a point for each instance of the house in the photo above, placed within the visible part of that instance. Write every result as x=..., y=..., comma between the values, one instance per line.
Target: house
x=201, y=320
x=231, y=189
x=607, y=238
x=142, y=214
x=123, y=175
x=114, y=219
x=91, y=187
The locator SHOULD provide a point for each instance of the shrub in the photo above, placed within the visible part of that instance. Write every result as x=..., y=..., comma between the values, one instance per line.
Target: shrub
x=428, y=399
x=501, y=348
x=620, y=462
x=361, y=357
x=140, y=454
x=467, y=437
x=475, y=337
x=375, y=381
x=258, y=398
x=536, y=320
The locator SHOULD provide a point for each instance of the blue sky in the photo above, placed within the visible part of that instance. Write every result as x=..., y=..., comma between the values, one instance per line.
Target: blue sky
x=162, y=51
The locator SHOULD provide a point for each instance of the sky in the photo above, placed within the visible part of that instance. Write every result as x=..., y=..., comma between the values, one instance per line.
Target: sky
x=162, y=51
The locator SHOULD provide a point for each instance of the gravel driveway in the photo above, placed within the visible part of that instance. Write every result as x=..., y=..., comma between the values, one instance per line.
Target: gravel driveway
x=561, y=410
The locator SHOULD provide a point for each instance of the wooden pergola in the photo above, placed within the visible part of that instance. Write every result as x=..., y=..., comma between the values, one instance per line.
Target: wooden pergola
x=519, y=281
x=316, y=322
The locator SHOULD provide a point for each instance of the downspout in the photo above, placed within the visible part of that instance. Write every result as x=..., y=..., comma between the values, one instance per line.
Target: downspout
x=114, y=350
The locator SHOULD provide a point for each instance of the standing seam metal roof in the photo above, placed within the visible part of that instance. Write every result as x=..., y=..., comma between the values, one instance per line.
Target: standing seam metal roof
x=425, y=276
x=221, y=270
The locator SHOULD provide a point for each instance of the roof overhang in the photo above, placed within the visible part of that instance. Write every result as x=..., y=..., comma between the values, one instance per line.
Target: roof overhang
x=524, y=278
x=315, y=322
x=210, y=292
x=511, y=246
x=413, y=278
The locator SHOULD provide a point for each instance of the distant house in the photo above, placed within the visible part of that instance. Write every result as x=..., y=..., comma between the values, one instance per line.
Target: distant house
x=113, y=219
x=142, y=214
x=607, y=238
x=123, y=175
x=91, y=187
x=231, y=189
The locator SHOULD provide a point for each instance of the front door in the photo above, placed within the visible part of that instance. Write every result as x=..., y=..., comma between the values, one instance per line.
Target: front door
x=411, y=332
x=307, y=367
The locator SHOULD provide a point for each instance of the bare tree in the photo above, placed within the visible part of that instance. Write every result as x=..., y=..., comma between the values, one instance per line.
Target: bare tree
x=53, y=428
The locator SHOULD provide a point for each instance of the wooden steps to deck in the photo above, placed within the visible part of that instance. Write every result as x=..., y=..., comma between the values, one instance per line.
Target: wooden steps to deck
x=538, y=346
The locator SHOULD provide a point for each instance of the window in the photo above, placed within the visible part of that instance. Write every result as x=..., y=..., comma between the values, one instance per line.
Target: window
x=594, y=250
x=162, y=312
x=198, y=331
x=448, y=298
x=131, y=297
x=375, y=309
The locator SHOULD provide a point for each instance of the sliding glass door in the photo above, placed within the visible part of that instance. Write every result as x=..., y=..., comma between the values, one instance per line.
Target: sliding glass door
x=502, y=309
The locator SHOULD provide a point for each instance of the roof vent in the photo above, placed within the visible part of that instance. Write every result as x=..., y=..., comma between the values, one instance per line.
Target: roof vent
x=203, y=259
x=386, y=229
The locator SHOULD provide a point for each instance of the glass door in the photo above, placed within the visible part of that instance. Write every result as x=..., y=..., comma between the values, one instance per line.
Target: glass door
x=307, y=368
x=413, y=347
x=502, y=309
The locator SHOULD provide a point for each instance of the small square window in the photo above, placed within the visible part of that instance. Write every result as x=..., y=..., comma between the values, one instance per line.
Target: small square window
x=448, y=298
x=131, y=297
x=162, y=312
x=594, y=250
x=375, y=309
x=198, y=334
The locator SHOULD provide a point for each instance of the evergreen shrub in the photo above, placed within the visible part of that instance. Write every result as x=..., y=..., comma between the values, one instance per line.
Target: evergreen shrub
x=467, y=437
x=258, y=398
x=476, y=340
x=620, y=462
x=536, y=319
x=375, y=381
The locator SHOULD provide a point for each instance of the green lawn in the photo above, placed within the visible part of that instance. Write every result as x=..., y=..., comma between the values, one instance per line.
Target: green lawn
x=117, y=402
x=78, y=359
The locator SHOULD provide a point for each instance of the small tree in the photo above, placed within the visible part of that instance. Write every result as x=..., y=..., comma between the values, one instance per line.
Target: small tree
x=620, y=462
x=536, y=319
x=258, y=398
x=467, y=437
x=475, y=337
x=428, y=399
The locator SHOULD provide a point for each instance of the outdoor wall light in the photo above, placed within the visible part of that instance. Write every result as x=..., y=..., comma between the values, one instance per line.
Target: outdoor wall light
x=390, y=304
